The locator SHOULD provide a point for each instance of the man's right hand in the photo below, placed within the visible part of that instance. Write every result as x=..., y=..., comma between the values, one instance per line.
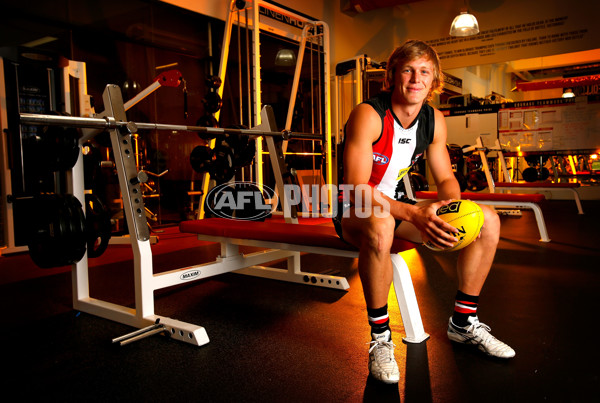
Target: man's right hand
x=432, y=227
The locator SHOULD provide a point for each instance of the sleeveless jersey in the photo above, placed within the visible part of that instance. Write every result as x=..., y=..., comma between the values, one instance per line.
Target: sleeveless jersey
x=397, y=149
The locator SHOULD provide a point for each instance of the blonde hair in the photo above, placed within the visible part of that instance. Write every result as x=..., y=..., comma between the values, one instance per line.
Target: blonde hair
x=410, y=50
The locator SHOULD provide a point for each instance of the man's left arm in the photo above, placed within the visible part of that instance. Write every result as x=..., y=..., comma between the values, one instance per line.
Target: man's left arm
x=439, y=161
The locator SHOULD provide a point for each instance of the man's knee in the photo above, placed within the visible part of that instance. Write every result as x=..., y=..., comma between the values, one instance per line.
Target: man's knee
x=491, y=223
x=378, y=233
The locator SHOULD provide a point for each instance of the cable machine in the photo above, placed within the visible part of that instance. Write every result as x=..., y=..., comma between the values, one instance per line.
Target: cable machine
x=309, y=34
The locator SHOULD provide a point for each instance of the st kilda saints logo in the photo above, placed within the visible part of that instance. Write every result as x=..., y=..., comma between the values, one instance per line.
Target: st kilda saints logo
x=241, y=201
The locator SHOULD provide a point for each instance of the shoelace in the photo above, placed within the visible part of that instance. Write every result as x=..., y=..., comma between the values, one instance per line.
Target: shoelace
x=382, y=351
x=482, y=330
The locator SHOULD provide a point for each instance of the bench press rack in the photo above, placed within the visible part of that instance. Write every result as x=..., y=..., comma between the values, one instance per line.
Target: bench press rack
x=142, y=315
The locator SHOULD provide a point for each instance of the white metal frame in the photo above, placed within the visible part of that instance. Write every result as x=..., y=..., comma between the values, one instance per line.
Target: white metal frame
x=481, y=150
x=6, y=182
x=403, y=286
x=539, y=215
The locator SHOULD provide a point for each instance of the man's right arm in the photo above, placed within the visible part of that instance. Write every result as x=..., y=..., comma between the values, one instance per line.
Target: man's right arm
x=362, y=129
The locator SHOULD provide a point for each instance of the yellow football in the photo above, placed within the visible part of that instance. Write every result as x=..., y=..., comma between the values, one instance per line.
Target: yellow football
x=464, y=215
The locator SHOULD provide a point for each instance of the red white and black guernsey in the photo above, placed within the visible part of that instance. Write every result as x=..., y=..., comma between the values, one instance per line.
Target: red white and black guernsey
x=397, y=149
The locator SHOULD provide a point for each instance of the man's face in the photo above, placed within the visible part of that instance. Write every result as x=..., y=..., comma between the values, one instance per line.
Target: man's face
x=413, y=80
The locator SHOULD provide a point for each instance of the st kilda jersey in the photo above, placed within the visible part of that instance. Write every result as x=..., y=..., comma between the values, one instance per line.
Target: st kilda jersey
x=397, y=149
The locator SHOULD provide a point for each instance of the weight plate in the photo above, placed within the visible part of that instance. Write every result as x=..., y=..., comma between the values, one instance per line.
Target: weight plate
x=201, y=158
x=98, y=227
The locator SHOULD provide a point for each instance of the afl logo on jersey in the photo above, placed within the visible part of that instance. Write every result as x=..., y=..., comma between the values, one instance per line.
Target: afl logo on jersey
x=380, y=159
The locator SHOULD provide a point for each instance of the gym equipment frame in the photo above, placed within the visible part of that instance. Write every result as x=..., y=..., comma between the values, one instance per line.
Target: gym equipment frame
x=509, y=185
x=309, y=33
x=77, y=101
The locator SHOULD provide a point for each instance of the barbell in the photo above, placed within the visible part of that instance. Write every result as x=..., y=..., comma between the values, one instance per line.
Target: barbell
x=109, y=122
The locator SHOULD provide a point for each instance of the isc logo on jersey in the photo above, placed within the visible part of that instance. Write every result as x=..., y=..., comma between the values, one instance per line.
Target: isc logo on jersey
x=380, y=159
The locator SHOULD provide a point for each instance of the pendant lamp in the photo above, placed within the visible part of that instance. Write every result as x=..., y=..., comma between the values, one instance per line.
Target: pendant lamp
x=464, y=24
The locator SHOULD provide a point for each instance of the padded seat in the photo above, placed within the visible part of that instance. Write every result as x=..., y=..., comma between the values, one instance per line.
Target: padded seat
x=564, y=185
x=512, y=197
x=296, y=234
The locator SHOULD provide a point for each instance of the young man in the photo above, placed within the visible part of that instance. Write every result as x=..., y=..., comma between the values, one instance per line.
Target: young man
x=385, y=136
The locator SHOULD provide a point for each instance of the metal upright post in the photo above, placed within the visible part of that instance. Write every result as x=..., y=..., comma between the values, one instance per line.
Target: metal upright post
x=256, y=86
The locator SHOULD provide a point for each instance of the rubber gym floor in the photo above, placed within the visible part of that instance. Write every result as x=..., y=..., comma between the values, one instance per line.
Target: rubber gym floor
x=276, y=342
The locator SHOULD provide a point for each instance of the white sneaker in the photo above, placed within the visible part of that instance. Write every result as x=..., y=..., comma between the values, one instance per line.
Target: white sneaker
x=382, y=364
x=479, y=334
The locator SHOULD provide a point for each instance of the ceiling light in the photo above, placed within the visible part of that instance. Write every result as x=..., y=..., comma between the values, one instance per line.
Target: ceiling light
x=285, y=57
x=464, y=24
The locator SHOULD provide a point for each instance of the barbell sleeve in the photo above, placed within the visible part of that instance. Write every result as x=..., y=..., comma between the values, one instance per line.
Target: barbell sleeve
x=71, y=121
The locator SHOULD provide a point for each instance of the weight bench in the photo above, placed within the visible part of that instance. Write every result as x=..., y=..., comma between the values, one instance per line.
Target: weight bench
x=493, y=185
x=571, y=186
x=529, y=201
x=288, y=240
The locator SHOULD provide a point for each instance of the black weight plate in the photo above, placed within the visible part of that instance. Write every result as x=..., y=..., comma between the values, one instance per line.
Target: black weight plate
x=530, y=174
x=57, y=237
x=207, y=121
x=98, y=227
x=212, y=102
x=222, y=169
x=201, y=158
